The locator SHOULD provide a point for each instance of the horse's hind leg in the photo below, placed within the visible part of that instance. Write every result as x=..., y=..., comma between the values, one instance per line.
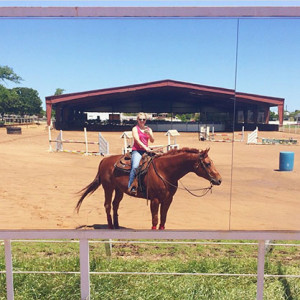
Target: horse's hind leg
x=154, y=212
x=163, y=213
x=107, y=204
x=117, y=199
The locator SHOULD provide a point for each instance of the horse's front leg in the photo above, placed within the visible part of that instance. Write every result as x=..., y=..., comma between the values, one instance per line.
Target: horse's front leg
x=163, y=212
x=107, y=204
x=154, y=211
x=116, y=203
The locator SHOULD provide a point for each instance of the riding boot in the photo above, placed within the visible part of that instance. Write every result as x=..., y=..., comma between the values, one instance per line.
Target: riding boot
x=132, y=190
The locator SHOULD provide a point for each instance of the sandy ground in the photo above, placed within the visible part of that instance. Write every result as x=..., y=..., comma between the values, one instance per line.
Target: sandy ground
x=38, y=188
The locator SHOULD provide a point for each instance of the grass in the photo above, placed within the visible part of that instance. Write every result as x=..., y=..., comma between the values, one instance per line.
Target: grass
x=129, y=257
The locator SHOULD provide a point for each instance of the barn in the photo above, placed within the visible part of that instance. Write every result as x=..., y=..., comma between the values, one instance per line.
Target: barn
x=215, y=105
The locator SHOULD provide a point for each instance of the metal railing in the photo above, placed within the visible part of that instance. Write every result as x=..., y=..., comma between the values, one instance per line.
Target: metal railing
x=84, y=236
x=20, y=120
x=290, y=128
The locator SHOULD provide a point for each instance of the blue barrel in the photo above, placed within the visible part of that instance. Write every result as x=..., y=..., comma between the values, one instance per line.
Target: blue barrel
x=286, y=161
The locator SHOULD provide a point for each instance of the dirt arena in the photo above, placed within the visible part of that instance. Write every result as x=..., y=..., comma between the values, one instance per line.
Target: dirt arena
x=38, y=188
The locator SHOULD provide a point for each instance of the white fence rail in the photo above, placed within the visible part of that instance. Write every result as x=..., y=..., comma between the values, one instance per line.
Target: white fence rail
x=86, y=235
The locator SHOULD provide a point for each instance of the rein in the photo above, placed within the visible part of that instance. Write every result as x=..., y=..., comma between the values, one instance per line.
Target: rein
x=206, y=190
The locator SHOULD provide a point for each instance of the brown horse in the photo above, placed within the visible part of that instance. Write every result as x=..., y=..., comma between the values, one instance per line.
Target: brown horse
x=160, y=182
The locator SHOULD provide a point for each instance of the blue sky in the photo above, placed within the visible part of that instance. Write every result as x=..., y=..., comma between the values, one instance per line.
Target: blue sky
x=86, y=54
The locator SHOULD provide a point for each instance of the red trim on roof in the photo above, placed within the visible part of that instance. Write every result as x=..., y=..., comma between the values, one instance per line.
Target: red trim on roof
x=253, y=97
x=163, y=83
x=137, y=87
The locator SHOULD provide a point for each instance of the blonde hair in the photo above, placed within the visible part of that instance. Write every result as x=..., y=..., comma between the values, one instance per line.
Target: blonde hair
x=142, y=114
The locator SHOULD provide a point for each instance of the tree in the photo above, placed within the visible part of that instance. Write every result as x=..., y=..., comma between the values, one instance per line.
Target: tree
x=294, y=114
x=59, y=91
x=273, y=116
x=20, y=100
x=7, y=73
x=8, y=98
x=184, y=117
x=28, y=101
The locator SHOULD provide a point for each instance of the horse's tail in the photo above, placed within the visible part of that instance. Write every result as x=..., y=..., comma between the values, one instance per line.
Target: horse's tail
x=89, y=189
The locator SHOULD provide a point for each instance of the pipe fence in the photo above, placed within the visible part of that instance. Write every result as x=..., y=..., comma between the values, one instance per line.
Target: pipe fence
x=290, y=128
x=86, y=237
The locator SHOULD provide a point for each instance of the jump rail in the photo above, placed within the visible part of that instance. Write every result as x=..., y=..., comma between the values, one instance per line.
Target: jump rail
x=86, y=235
x=226, y=137
x=254, y=139
x=103, y=144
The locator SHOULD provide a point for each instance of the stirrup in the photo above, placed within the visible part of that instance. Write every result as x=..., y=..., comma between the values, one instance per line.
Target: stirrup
x=132, y=190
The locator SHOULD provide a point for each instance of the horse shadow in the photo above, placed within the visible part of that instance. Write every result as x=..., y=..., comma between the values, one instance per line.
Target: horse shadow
x=99, y=226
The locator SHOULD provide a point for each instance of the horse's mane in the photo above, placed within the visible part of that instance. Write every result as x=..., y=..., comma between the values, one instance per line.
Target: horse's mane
x=182, y=150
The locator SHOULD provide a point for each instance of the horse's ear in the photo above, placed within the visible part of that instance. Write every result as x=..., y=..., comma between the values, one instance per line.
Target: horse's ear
x=203, y=153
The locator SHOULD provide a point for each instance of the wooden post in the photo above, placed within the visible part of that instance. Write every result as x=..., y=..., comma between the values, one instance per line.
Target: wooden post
x=86, y=142
x=49, y=134
x=108, y=248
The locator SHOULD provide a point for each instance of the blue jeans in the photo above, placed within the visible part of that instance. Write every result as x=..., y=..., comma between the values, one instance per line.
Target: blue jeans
x=136, y=156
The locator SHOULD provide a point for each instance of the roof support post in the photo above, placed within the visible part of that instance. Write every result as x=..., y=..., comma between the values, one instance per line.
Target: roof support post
x=48, y=113
x=280, y=113
x=267, y=114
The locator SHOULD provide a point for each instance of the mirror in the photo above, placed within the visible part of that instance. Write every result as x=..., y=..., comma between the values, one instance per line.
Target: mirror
x=264, y=195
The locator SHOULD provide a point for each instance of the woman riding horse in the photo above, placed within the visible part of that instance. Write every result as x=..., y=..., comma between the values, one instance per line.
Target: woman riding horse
x=141, y=134
x=160, y=181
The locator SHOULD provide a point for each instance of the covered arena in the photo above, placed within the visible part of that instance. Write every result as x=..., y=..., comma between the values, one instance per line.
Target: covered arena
x=215, y=105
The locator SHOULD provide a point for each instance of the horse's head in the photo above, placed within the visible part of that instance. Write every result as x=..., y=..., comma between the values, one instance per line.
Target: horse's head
x=205, y=168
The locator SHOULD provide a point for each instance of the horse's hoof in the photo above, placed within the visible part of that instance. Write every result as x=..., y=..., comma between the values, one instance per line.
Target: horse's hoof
x=153, y=228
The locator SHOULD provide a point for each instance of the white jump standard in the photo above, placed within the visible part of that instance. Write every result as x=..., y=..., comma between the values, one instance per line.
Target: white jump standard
x=172, y=133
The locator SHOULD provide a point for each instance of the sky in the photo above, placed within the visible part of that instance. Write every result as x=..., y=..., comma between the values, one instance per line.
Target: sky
x=259, y=56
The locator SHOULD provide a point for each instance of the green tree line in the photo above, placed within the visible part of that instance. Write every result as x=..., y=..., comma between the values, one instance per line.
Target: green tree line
x=291, y=116
x=19, y=100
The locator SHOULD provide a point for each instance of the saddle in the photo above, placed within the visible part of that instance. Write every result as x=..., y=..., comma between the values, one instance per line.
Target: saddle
x=124, y=165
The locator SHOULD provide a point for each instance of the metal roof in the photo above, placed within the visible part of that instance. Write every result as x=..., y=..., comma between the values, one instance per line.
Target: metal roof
x=158, y=96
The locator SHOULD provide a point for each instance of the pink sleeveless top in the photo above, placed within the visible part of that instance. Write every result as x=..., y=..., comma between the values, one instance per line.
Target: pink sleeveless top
x=143, y=138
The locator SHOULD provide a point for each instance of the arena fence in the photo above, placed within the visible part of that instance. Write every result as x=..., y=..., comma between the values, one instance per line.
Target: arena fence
x=84, y=236
x=17, y=120
x=290, y=128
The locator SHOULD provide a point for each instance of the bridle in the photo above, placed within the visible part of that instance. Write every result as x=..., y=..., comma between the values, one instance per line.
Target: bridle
x=204, y=167
x=196, y=166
